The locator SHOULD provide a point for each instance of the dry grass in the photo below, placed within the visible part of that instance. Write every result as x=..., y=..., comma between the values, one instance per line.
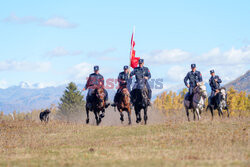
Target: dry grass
x=222, y=142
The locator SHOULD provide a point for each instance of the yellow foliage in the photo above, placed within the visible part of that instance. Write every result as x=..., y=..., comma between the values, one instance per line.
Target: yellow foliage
x=238, y=102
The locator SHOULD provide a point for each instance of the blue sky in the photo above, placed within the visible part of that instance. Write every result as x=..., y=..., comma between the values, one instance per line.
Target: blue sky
x=54, y=42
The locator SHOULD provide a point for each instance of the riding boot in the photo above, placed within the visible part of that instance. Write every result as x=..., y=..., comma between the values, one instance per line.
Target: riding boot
x=191, y=102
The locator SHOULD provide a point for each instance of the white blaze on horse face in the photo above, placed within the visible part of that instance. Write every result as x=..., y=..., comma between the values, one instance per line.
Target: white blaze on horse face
x=203, y=90
x=223, y=92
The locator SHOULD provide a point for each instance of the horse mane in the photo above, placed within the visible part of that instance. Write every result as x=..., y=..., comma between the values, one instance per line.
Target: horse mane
x=223, y=88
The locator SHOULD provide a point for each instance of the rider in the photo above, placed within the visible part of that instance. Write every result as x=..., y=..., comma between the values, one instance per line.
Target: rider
x=124, y=82
x=214, y=83
x=95, y=80
x=194, y=77
x=141, y=73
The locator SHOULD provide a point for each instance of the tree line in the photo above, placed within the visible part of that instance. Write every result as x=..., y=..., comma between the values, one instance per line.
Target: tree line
x=238, y=102
x=72, y=105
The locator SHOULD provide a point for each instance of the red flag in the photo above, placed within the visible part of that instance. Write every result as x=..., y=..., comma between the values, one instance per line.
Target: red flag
x=133, y=60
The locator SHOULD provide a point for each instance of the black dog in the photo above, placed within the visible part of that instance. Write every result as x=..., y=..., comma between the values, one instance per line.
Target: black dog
x=44, y=116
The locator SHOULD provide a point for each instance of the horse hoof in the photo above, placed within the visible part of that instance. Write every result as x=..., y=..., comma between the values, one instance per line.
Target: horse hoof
x=122, y=119
x=102, y=115
x=137, y=121
x=87, y=121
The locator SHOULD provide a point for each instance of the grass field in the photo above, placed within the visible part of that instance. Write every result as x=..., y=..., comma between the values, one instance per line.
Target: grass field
x=222, y=142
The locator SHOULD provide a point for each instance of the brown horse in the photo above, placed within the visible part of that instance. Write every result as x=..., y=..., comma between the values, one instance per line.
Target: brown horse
x=124, y=105
x=98, y=105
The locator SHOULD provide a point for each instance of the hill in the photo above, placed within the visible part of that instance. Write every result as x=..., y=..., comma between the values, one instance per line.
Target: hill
x=242, y=83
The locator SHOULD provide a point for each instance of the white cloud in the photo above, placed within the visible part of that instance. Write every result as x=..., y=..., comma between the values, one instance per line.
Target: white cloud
x=166, y=56
x=21, y=20
x=24, y=66
x=58, y=22
x=81, y=71
x=61, y=51
x=230, y=57
x=101, y=53
x=176, y=73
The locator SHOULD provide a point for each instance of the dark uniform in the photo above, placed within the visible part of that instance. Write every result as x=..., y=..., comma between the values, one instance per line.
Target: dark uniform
x=194, y=78
x=94, y=81
x=140, y=73
x=124, y=81
x=214, y=85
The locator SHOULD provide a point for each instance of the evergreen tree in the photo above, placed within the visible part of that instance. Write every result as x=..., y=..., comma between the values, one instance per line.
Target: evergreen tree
x=72, y=101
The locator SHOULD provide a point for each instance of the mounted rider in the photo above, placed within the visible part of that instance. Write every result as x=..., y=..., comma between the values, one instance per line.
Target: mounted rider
x=214, y=83
x=94, y=81
x=142, y=75
x=124, y=81
x=194, y=78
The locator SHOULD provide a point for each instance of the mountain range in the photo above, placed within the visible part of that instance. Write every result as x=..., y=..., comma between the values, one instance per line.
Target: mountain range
x=241, y=83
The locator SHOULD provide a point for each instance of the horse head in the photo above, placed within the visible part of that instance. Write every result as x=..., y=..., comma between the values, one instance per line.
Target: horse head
x=100, y=95
x=125, y=96
x=201, y=89
x=223, y=93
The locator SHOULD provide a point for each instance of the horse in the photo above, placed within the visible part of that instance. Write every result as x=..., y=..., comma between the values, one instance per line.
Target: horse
x=197, y=101
x=97, y=105
x=44, y=115
x=124, y=105
x=218, y=102
x=140, y=99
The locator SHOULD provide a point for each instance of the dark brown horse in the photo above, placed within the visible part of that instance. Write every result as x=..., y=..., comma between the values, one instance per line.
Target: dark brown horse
x=97, y=105
x=124, y=105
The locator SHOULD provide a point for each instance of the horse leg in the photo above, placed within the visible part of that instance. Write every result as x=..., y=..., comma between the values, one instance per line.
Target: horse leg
x=220, y=111
x=121, y=114
x=87, y=112
x=96, y=118
x=187, y=112
x=194, y=113
x=198, y=113
x=139, y=114
x=145, y=115
x=129, y=116
x=212, y=112
x=102, y=114
x=228, y=113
